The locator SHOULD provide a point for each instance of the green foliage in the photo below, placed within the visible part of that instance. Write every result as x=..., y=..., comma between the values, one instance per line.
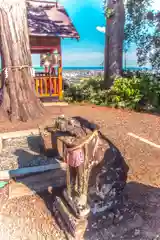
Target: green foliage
x=142, y=29
x=150, y=89
x=109, y=12
x=87, y=90
x=133, y=92
x=126, y=93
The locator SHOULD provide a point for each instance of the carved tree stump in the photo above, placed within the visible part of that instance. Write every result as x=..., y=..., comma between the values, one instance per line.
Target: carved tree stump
x=77, y=142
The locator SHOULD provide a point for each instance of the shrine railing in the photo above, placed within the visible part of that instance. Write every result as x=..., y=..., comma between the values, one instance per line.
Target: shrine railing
x=46, y=86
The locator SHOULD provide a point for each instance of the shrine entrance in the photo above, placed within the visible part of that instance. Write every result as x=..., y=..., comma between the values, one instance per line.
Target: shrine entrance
x=48, y=81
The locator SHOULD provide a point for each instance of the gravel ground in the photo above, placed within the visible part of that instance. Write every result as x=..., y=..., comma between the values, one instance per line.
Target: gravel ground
x=141, y=158
x=28, y=218
x=137, y=217
x=22, y=152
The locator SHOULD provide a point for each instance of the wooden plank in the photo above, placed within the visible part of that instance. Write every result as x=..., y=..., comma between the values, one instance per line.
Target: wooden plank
x=37, y=183
x=43, y=42
x=49, y=104
x=8, y=174
x=19, y=190
x=48, y=96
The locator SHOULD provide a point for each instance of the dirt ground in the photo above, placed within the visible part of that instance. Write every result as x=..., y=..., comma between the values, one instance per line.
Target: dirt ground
x=139, y=216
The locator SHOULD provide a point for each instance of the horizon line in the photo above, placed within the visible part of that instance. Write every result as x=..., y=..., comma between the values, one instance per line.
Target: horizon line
x=92, y=66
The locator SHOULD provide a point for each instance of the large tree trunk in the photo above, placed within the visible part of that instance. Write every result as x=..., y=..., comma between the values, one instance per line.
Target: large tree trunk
x=114, y=42
x=19, y=97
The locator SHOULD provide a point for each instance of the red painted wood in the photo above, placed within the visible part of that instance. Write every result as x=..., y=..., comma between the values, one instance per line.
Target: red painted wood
x=44, y=42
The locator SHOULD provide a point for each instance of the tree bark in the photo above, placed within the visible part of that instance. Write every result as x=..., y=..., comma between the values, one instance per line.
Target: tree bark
x=19, y=98
x=114, y=42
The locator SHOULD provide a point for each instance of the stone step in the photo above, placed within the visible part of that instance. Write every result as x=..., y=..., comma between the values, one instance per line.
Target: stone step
x=20, y=172
x=37, y=183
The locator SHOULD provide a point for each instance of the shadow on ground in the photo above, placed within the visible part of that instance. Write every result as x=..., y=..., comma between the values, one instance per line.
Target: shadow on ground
x=34, y=155
x=137, y=217
x=120, y=210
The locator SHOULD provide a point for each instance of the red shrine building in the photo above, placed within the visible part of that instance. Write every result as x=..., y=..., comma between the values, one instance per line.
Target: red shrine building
x=49, y=23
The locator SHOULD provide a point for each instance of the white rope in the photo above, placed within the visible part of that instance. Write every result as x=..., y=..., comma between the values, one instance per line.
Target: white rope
x=14, y=67
x=18, y=67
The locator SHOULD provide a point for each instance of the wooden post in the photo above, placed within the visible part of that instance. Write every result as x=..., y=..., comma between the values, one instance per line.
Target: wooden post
x=41, y=86
x=55, y=85
x=37, y=86
x=46, y=85
x=60, y=85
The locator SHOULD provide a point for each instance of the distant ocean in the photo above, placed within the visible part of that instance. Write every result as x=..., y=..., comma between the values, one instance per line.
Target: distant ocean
x=40, y=69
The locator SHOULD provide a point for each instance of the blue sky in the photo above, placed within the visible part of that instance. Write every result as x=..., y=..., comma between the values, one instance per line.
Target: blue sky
x=88, y=51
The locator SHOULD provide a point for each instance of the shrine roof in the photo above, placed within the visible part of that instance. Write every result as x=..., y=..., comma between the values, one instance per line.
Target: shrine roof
x=46, y=18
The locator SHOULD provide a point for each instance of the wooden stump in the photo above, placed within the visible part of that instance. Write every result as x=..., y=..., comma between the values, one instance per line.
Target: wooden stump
x=74, y=228
x=77, y=142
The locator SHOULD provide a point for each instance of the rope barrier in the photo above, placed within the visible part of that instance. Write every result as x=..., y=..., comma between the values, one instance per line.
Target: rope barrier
x=5, y=70
x=14, y=67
